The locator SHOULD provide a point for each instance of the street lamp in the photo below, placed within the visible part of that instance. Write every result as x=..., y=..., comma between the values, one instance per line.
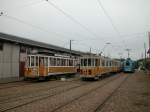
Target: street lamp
x=106, y=44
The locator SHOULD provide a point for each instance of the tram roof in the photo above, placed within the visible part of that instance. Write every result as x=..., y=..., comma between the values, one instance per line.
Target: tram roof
x=21, y=40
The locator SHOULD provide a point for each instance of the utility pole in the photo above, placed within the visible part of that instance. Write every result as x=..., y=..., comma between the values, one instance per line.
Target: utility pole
x=145, y=50
x=128, y=50
x=90, y=50
x=149, y=42
x=71, y=47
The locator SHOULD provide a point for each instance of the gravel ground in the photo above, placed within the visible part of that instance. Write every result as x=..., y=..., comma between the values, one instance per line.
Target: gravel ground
x=53, y=102
x=91, y=101
x=118, y=93
x=133, y=96
x=28, y=88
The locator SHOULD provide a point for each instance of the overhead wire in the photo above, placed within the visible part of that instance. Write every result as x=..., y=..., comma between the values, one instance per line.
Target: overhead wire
x=109, y=18
x=29, y=24
x=71, y=18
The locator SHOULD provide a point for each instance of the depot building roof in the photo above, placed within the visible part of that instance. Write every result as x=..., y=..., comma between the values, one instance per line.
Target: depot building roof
x=24, y=41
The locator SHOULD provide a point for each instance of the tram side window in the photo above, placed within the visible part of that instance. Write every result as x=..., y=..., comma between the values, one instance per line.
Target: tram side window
x=110, y=63
x=85, y=62
x=28, y=62
x=103, y=62
x=55, y=61
x=51, y=61
x=58, y=62
x=70, y=62
x=89, y=62
x=32, y=60
x=37, y=61
x=82, y=62
x=62, y=62
x=67, y=62
x=92, y=62
x=96, y=62
x=107, y=63
x=76, y=63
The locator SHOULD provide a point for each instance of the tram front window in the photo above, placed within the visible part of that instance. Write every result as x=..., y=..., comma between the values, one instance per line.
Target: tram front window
x=127, y=63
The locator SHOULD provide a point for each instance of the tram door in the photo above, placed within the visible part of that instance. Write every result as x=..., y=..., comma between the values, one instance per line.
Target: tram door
x=43, y=66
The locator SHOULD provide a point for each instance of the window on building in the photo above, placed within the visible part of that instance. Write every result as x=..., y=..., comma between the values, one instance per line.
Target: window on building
x=1, y=46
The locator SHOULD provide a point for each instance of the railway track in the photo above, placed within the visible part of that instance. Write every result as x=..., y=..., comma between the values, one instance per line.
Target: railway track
x=99, y=108
x=104, y=84
x=13, y=84
x=7, y=99
x=34, y=98
x=18, y=84
x=44, y=96
x=66, y=92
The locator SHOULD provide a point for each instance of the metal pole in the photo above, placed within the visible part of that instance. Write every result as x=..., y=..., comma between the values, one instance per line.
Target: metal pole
x=145, y=50
x=149, y=42
x=90, y=50
x=70, y=47
x=128, y=50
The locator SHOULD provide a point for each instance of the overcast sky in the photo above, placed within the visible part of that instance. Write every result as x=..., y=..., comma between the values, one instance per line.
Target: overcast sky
x=123, y=23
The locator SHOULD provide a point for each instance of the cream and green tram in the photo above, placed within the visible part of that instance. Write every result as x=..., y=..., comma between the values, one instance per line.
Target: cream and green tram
x=95, y=67
x=41, y=67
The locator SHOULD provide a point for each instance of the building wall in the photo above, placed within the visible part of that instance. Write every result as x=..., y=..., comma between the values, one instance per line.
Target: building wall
x=9, y=61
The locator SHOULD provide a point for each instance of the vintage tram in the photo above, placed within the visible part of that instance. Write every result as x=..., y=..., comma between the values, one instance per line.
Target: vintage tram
x=42, y=66
x=97, y=66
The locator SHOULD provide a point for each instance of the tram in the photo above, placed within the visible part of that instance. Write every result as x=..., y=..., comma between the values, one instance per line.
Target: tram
x=97, y=66
x=128, y=65
x=42, y=67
